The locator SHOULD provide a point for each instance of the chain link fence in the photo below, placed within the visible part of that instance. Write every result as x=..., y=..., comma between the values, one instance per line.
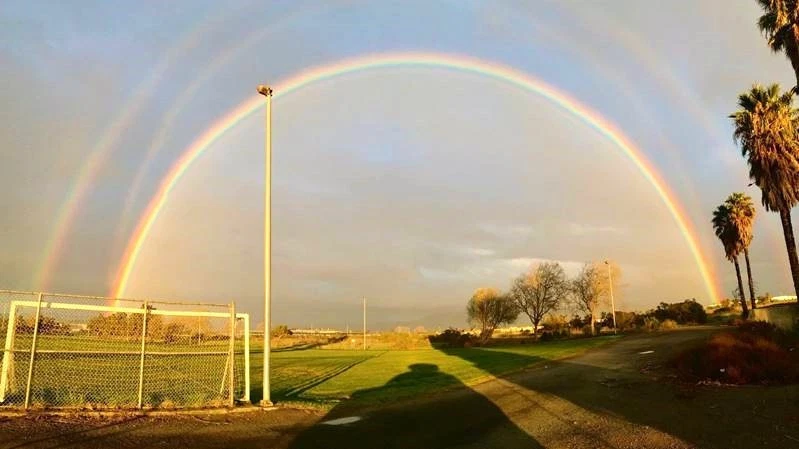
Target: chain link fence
x=67, y=351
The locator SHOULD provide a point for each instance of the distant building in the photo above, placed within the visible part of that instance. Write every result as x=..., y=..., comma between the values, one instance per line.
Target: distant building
x=514, y=330
x=316, y=331
x=785, y=298
x=75, y=328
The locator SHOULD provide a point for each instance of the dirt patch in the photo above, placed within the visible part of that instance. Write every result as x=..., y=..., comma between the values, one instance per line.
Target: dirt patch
x=253, y=429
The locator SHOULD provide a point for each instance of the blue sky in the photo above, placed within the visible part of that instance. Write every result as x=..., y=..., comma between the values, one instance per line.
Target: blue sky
x=409, y=186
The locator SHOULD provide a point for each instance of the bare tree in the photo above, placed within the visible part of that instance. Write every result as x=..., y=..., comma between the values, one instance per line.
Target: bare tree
x=489, y=309
x=539, y=291
x=588, y=289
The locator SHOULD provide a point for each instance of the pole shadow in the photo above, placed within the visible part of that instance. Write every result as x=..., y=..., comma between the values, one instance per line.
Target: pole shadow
x=705, y=417
x=456, y=418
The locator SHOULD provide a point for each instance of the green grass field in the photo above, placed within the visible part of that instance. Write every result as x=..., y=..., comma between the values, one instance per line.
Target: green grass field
x=322, y=376
x=318, y=377
x=110, y=379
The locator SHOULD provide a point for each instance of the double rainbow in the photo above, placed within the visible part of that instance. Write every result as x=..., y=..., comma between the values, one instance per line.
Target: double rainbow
x=425, y=60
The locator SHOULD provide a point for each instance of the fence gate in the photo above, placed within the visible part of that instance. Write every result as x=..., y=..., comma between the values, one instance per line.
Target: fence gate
x=71, y=351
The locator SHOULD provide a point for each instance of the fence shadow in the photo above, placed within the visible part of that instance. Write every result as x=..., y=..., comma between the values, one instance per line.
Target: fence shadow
x=416, y=424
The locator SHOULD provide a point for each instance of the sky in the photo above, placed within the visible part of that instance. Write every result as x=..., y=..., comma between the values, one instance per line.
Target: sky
x=410, y=186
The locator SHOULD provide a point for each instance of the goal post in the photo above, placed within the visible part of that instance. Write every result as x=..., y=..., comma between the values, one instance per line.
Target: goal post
x=9, y=385
x=8, y=352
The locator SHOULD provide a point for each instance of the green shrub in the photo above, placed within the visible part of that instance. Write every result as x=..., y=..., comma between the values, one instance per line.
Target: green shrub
x=651, y=323
x=625, y=321
x=668, y=325
x=281, y=331
x=688, y=311
x=453, y=338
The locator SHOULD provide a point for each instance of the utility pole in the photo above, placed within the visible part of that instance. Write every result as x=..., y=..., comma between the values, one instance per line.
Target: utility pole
x=266, y=91
x=364, y=324
x=612, y=304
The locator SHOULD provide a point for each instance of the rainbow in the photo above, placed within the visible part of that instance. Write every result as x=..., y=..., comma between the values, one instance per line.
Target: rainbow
x=188, y=94
x=411, y=59
x=99, y=154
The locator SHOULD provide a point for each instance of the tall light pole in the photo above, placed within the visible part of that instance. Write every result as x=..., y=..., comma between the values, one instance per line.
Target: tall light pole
x=266, y=91
x=364, y=324
x=612, y=304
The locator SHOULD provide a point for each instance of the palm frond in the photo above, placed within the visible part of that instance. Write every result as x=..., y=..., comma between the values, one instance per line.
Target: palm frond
x=765, y=126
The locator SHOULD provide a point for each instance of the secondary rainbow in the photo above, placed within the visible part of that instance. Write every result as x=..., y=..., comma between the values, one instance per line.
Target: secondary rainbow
x=411, y=59
x=103, y=148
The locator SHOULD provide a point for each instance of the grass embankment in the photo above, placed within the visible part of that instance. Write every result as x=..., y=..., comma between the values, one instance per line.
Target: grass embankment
x=323, y=376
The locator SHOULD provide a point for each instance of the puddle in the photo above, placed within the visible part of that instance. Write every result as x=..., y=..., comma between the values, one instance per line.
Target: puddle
x=342, y=421
x=646, y=352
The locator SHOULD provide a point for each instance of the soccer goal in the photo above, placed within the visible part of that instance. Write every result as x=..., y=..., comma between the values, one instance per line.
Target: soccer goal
x=76, y=351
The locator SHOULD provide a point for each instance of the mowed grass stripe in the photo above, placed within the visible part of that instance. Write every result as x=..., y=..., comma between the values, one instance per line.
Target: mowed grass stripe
x=334, y=375
x=312, y=375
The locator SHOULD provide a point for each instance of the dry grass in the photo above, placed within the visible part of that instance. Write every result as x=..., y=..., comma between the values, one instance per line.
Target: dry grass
x=383, y=341
x=754, y=353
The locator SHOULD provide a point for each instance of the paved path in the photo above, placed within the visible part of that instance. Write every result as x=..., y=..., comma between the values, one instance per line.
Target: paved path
x=607, y=398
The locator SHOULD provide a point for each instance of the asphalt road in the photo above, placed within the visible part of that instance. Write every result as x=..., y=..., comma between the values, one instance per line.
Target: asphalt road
x=618, y=396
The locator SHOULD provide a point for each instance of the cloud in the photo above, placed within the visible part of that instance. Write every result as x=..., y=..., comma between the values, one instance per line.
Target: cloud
x=479, y=251
x=506, y=229
x=402, y=184
x=587, y=229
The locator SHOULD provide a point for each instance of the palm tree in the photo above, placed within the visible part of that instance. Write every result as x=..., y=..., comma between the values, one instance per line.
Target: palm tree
x=727, y=233
x=765, y=126
x=780, y=24
x=742, y=217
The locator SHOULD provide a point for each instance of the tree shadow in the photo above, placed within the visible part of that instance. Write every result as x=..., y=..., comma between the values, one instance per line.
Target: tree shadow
x=629, y=392
x=455, y=418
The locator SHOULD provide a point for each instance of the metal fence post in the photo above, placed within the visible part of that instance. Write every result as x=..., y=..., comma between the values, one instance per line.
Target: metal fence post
x=7, y=375
x=247, y=358
x=231, y=384
x=143, y=347
x=33, y=351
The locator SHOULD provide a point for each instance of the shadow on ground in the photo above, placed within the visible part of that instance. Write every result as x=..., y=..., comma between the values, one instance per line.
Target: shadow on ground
x=436, y=424
x=605, y=398
x=639, y=390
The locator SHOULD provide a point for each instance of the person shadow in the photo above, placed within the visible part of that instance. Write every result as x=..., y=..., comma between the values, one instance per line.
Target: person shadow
x=432, y=421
